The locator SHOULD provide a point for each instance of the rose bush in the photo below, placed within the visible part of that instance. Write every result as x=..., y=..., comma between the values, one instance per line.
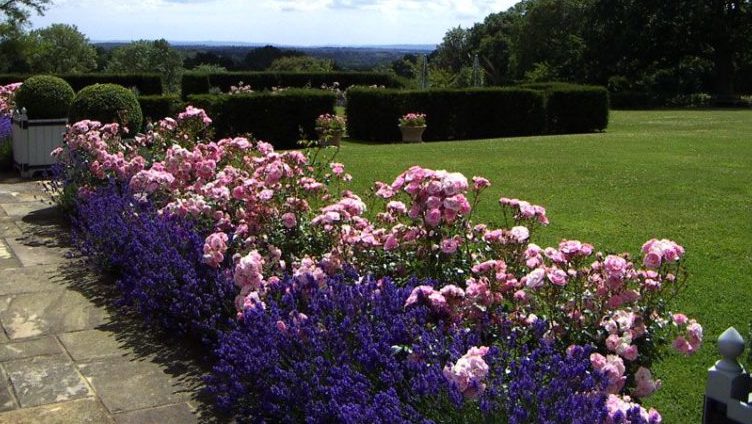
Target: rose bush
x=283, y=227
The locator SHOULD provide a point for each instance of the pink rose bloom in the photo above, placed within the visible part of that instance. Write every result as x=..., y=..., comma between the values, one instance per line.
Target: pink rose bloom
x=520, y=296
x=433, y=217
x=454, y=183
x=630, y=353
x=452, y=292
x=289, y=220
x=449, y=246
x=520, y=233
x=391, y=243
x=215, y=247
x=484, y=267
x=615, y=266
x=645, y=383
x=612, y=342
x=395, y=207
x=557, y=277
x=479, y=183
x=653, y=259
x=683, y=346
x=613, y=367
x=478, y=291
x=468, y=373
x=417, y=292
x=535, y=278
x=680, y=319
x=337, y=168
x=248, y=271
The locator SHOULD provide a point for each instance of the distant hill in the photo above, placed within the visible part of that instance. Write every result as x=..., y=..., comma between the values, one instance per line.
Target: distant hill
x=346, y=57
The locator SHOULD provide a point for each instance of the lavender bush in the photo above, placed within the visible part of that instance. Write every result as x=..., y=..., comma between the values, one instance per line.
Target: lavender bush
x=351, y=352
x=157, y=262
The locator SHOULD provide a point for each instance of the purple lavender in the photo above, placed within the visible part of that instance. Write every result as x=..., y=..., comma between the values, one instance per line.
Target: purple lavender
x=357, y=355
x=157, y=263
x=5, y=127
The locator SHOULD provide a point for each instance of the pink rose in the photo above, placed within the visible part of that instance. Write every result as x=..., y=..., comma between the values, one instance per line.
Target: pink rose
x=433, y=217
x=289, y=221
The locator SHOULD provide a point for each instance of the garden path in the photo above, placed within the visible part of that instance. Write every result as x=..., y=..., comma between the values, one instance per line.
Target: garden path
x=65, y=355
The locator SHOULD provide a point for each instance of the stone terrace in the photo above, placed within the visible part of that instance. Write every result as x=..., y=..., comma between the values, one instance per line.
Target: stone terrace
x=65, y=356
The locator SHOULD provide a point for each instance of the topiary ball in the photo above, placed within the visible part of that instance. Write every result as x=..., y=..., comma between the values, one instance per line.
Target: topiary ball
x=107, y=103
x=45, y=97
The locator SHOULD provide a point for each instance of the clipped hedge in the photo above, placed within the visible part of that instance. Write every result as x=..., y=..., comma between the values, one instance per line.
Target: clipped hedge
x=201, y=83
x=158, y=107
x=146, y=84
x=107, y=103
x=45, y=97
x=273, y=117
x=452, y=114
x=573, y=108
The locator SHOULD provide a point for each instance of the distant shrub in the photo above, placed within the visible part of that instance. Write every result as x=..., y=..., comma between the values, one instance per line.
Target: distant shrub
x=276, y=118
x=201, y=83
x=107, y=103
x=158, y=107
x=145, y=84
x=452, y=114
x=45, y=97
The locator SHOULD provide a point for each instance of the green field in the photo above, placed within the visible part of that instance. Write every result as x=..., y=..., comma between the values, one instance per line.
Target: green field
x=684, y=175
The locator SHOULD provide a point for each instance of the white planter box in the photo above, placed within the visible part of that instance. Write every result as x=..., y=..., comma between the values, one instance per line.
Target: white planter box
x=33, y=141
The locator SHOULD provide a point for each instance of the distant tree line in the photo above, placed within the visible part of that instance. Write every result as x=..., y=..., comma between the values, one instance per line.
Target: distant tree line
x=666, y=47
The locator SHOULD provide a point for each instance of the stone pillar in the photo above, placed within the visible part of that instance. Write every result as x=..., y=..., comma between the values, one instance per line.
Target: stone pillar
x=728, y=387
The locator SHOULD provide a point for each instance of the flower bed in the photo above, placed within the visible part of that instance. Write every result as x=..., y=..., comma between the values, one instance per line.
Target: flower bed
x=334, y=308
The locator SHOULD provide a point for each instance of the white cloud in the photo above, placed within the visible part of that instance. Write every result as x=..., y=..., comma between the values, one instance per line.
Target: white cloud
x=290, y=22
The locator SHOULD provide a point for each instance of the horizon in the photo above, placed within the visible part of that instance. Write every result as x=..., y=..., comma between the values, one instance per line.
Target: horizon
x=316, y=23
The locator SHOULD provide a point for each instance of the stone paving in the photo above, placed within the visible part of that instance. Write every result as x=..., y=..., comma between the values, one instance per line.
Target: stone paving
x=65, y=357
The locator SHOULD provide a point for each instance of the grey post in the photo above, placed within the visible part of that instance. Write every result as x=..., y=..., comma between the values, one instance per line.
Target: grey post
x=728, y=388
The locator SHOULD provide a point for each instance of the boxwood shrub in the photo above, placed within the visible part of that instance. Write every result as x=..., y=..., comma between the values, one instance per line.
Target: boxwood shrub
x=573, y=108
x=45, y=97
x=158, y=107
x=452, y=114
x=276, y=118
x=201, y=83
x=107, y=103
x=146, y=84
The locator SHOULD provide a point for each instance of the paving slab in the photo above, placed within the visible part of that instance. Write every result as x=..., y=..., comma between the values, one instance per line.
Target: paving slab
x=7, y=400
x=46, y=379
x=180, y=413
x=126, y=385
x=88, y=345
x=8, y=227
x=29, y=348
x=17, y=280
x=37, y=253
x=21, y=209
x=84, y=411
x=34, y=314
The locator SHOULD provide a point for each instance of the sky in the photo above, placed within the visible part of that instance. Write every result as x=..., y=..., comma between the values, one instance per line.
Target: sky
x=278, y=22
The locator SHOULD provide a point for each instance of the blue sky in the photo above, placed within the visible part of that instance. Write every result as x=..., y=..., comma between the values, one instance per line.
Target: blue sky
x=286, y=22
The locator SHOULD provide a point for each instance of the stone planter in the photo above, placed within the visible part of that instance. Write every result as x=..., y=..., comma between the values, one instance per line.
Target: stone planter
x=34, y=140
x=412, y=134
x=331, y=138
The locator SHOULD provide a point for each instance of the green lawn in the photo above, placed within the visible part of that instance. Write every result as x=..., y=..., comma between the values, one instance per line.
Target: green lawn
x=684, y=175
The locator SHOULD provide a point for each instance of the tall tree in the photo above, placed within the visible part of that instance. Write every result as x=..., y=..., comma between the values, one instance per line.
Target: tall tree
x=59, y=49
x=19, y=10
x=149, y=56
x=454, y=51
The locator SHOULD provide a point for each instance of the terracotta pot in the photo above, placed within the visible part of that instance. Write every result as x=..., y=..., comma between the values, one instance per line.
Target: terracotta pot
x=412, y=134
